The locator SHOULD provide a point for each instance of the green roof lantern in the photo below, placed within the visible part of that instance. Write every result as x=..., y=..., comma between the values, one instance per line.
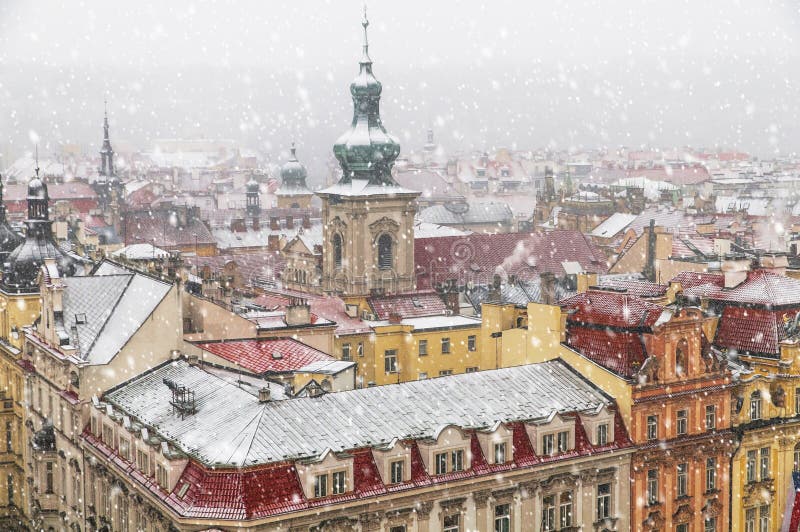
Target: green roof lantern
x=366, y=150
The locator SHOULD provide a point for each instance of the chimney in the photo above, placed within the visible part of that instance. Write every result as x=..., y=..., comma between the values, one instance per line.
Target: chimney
x=395, y=318
x=264, y=395
x=298, y=312
x=274, y=223
x=256, y=223
x=273, y=242
x=193, y=360
x=735, y=271
x=585, y=280
x=306, y=221
x=548, y=288
x=451, y=297
x=237, y=225
x=495, y=290
x=649, y=270
x=289, y=221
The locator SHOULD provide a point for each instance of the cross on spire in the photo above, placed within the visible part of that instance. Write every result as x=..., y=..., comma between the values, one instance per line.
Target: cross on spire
x=365, y=54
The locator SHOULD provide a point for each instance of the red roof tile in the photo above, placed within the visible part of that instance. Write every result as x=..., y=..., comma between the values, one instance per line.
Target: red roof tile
x=692, y=279
x=478, y=257
x=408, y=305
x=621, y=352
x=266, y=355
x=752, y=330
x=610, y=309
x=159, y=228
x=762, y=288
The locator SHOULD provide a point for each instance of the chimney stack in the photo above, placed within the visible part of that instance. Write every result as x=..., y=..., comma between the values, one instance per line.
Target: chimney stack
x=548, y=288
x=298, y=312
x=193, y=360
x=264, y=395
x=395, y=318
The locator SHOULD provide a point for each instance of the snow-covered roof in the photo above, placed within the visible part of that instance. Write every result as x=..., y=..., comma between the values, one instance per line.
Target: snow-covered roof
x=362, y=187
x=248, y=432
x=102, y=312
x=613, y=225
x=331, y=367
x=140, y=252
x=433, y=322
x=428, y=230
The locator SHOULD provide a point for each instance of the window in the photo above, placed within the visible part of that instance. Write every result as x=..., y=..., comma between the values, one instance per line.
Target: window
x=390, y=361
x=396, y=472
x=711, y=474
x=547, y=445
x=422, y=376
x=652, y=486
x=9, y=438
x=161, y=476
x=750, y=468
x=471, y=343
x=680, y=359
x=445, y=372
x=683, y=527
x=346, y=352
x=565, y=510
x=10, y=488
x=750, y=520
x=445, y=346
x=320, y=486
x=451, y=523
x=360, y=349
x=797, y=401
x=763, y=519
x=441, y=463
x=398, y=528
x=502, y=518
x=471, y=369
x=602, y=434
x=124, y=449
x=108, y=435
x=48, y=478
x=143, y=461
x=423, y=348
x=796, y=458
x=680, y=485
x=563, y=441
x=385, y=252
x=764, y=469
x=710, y=524
x=603, y=501
x=711, y=417
x=549, y=513
x=755, y=406
x=458, y=460
x=682, y=421
x=339, y=482
x=652, y=427
x=499, y=453
x=337, y=250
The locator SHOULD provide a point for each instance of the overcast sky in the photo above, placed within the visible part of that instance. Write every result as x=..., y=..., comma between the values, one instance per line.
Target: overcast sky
x=521, y=74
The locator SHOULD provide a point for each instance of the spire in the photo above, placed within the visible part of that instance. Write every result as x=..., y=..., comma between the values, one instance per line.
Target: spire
x=294, y=153
x=365, y=51
x=105, y=120
x=366, y=150
x=36, y=155
x=106, y=152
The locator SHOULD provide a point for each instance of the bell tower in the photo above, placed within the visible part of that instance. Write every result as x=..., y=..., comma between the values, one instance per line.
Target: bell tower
x=368, y=219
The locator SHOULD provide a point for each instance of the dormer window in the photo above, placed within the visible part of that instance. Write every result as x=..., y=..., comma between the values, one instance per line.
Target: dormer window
x=448, y=462
x=602, y=434
x=500, y=453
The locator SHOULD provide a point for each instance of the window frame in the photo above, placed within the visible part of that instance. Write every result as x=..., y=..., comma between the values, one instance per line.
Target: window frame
x=390, y=363
x=682, y=422
x=472, y=343
x=446, y=345
x=396, y=471
x=422, y=348
x=652, y=427
x=711, y=417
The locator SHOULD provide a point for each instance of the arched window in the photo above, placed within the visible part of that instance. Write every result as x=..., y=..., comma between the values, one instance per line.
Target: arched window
x=681, y=359
x=337, y=250
x=385, y=252
x=755, y=405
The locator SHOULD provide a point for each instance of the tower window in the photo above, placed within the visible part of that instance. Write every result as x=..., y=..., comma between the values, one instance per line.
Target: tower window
x=337, y=251
x=385, y=252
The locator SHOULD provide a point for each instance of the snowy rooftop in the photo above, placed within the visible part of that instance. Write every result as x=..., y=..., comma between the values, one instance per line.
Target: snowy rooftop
x=231, y=427
x=140, y=252
x=613, y=225
x=362, y=187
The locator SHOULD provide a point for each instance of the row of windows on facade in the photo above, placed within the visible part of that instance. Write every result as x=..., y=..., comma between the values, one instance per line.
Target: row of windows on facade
x=118, y=509
x=682, y=488
x=756, y=404
x=757, y=519
x=385, y=251
x=390, y=355
x=681, y=422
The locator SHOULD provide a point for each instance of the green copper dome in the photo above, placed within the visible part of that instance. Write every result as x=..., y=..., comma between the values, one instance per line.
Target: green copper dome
x=366, y=150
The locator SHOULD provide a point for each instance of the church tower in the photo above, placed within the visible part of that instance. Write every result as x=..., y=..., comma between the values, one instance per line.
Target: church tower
x=106, y=152
x=293, y=192
x=368, y=219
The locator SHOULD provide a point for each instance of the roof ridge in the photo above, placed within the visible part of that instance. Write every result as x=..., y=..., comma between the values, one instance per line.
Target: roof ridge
x=113, y=308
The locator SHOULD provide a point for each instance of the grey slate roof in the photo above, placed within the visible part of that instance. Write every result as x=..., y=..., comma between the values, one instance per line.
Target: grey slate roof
x=483, y=212
x=103, y=311
x=231, y=427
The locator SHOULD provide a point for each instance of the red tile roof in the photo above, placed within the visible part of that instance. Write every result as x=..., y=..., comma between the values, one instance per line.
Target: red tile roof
x=762, y=288
x=159, y=228
x=692, y=279
x=637, y=288
x=610, y=309
x=266, y=355
x=478, y=257
x=408, y=305
x=618, y=351
x=752, y=330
